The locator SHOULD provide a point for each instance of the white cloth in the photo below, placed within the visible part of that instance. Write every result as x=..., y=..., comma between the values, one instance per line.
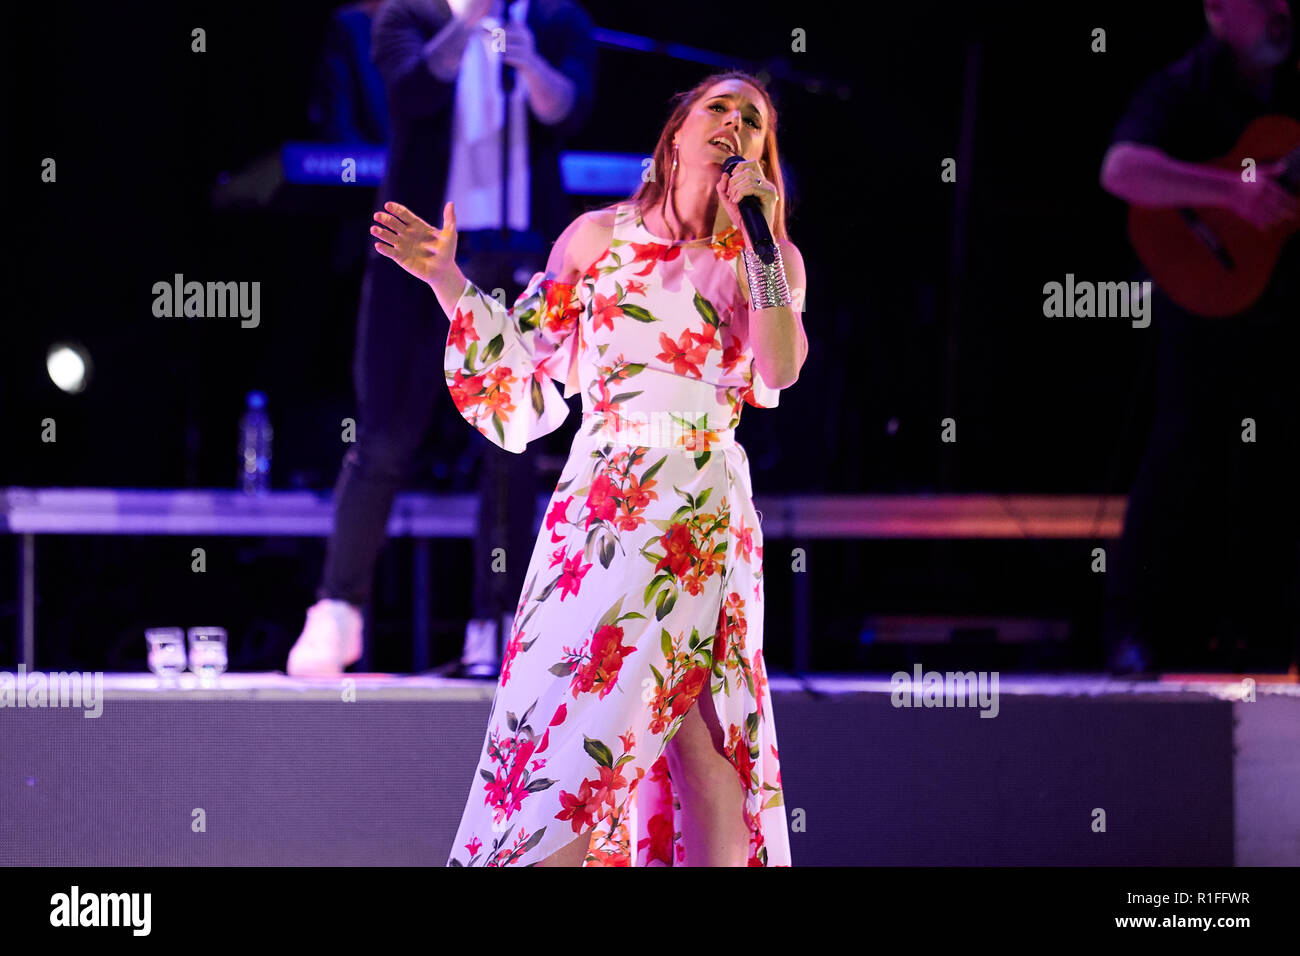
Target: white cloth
x=474, y=173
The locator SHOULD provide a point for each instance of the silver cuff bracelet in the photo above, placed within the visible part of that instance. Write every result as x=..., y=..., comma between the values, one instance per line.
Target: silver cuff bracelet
x=767, y=284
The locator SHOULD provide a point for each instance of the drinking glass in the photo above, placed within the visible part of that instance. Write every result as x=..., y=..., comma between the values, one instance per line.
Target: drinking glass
x=208, y=653
x=166, y=652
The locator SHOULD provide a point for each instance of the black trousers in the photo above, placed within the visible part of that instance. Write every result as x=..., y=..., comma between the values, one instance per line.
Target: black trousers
x=402, y=395
x=1208, y=567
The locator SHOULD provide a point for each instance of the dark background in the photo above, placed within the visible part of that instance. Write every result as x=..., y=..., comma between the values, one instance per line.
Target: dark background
x=924, y=299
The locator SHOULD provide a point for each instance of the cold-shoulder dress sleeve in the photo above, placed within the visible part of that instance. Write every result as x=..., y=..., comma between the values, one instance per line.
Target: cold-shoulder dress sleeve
x=502, y=365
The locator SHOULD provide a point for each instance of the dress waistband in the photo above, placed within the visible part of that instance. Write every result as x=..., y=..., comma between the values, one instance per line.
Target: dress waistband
x=658, y=429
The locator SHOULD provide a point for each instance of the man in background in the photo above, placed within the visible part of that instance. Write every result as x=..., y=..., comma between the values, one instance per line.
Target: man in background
x=455, y=105
x=1207, y=566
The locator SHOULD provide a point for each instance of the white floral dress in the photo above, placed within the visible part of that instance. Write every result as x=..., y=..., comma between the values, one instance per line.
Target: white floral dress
x=645, y=585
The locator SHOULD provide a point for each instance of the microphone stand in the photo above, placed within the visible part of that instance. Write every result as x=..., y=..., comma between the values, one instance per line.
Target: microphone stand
x=500, y=524
x=507, y=88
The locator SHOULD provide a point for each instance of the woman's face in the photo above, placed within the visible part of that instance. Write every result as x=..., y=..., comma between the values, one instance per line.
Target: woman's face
x=731, y=112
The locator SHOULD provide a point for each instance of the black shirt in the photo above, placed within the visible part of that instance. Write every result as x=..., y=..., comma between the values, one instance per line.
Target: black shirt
x=420, y=106
x=1196, y=109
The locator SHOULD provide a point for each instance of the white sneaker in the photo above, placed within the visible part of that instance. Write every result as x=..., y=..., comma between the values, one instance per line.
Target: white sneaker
x=330, y=641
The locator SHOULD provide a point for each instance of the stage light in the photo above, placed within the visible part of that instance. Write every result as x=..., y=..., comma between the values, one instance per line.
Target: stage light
x=69, y=366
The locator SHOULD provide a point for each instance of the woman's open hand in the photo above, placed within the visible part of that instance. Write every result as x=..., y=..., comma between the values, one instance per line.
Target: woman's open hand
x=423, y=251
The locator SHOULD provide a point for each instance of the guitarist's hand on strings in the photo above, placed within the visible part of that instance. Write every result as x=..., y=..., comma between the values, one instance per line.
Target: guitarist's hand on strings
x=1263, y=203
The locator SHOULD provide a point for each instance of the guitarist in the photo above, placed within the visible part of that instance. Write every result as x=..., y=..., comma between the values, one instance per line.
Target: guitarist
x=1209, y=559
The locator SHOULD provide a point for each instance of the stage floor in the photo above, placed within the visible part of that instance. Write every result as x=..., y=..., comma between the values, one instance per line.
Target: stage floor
x=275, y=685
x=375, y=769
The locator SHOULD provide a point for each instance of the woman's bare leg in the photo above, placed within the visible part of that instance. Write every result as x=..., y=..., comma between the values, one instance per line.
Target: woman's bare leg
x=713, y=821
x=571, y=855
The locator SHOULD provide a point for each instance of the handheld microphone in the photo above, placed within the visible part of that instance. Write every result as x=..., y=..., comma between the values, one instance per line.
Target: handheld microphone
x=751, y=211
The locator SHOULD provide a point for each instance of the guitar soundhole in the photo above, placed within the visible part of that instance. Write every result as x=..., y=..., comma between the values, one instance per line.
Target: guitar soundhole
x=1203, y=232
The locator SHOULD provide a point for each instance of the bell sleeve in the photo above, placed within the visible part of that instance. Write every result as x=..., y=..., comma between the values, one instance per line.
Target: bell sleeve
x=504, y=367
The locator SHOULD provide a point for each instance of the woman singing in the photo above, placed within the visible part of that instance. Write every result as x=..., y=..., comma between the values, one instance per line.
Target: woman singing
x=645, y=586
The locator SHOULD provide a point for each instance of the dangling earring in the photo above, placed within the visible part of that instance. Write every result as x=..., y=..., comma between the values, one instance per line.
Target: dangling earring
x=668, y=188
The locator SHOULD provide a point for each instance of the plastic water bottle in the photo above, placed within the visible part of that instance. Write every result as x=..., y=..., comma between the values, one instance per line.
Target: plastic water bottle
x=255, y=446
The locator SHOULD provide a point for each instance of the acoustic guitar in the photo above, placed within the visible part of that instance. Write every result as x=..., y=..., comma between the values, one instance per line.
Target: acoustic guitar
x=1207, y=259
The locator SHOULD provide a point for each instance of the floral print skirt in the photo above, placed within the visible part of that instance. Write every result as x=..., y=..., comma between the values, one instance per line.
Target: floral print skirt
x=644, y=590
